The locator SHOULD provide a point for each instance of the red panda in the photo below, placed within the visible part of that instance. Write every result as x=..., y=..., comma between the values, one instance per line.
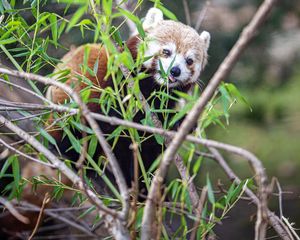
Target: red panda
x=172, y=48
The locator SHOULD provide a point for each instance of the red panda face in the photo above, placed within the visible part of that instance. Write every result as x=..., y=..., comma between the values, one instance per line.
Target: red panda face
x=178, y=53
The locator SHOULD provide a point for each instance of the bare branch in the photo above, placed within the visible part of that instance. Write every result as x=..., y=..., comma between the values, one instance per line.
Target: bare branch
x=38, y=222
x=184, y=173
x=13, y=211
x=120, y=180
x=191, y=120
x=24, y=154
x=114, y=224
x=202, y=16
x=27, y=90
x=130, y=24
x=187, y=12
x=199, y=212
x=274, y=221
x=51, y=213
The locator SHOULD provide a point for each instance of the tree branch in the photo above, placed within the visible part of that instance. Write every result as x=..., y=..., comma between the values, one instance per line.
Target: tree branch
x=118, y=228
x=191, y=120
x=274, y=221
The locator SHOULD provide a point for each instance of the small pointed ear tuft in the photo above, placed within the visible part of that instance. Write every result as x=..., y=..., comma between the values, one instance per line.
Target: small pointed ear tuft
x=153, y=17
x=205, y=36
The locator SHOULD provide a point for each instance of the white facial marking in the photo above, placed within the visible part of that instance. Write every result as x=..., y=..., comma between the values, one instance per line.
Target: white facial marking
x=162, y=34
x=153, y=49
x=188, y=74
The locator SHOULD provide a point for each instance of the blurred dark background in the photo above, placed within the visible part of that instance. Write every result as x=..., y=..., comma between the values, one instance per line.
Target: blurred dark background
x=267, y=75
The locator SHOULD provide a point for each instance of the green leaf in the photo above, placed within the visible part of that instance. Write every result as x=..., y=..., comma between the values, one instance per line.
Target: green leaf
x=129, y=15
x=148, y=121
x=116, y=36
x=96, y=67
x=74, y=141
x=5, y=166
x=16, y=174
x=107, y=7
x=210, y=192
x=12, y=3
x=226, y=101
x=181, y=114
x=135, y=19
x=61, y=28
x=108, y=44
x=234, y=192
x=154, y=165
x=86, y=54
x=234, y=92
x=16, y=171
x=86, y=212
x=197, y=165
x=46, y=135
x=92, y=145
x=7, y=41
x=77, y=15
x=5, y=5
x=126, y=59
x=167, y=12
x=54, y=31
x=81, y=127
x=80, y=2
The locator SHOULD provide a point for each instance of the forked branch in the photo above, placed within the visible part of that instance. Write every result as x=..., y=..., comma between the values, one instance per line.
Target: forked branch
x=192, y=118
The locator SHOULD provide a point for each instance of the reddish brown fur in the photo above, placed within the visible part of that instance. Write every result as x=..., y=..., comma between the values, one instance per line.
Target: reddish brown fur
x=9, y=223
x=73, y=61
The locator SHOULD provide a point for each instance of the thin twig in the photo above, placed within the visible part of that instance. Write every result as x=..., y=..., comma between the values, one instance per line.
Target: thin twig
x=38, y=222
x=51, y=213
x=191, y=119
x=199, y=213
x=27, y=90
x=13, y=211
x=274, y=221
x=202, y=16
x=130, y=24
x=280, y=198
x=24, y=154
x=135, y=191
x=120, y=180
x=109, y=214
x=187, y=12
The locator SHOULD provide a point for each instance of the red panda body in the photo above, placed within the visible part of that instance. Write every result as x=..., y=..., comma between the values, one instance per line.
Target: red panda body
x=150, y=149
x=173, y=48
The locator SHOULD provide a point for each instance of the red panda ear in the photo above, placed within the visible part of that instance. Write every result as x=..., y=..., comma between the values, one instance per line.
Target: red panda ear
x=205, y=36
x=153, y=17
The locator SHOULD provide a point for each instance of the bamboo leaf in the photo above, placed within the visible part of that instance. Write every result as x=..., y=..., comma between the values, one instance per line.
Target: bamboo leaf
x=54, y=30
x=77, y=15
x=210, y=192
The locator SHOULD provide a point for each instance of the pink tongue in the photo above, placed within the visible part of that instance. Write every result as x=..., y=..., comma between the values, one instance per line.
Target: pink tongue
x=172, y=79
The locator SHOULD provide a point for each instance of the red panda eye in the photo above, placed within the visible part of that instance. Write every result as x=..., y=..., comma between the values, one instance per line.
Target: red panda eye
x=166, y=52
x=189, y=61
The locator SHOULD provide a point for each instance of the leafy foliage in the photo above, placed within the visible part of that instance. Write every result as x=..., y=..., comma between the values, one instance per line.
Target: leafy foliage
x=27, y=47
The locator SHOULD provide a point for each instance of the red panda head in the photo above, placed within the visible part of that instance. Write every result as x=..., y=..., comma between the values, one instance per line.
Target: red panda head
x=178, y=53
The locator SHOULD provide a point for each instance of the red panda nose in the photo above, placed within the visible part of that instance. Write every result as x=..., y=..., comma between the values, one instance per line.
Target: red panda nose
x=175, y=71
